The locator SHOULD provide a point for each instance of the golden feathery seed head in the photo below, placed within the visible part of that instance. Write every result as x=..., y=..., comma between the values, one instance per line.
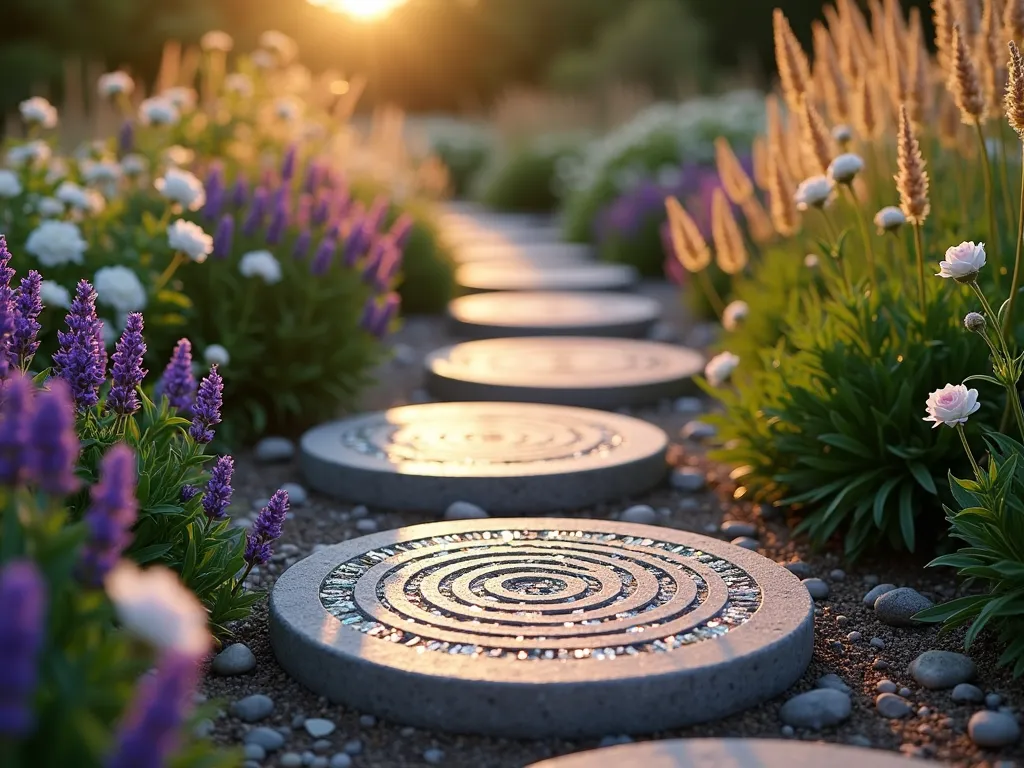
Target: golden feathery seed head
x=1013, y=20
x=688, y=243
x=950, y=126
x=968, y=16
x=911, y=178
x=964, y=83
x=790, y=59
x=832, y=81
x=784, y=214
x=990, y=65
x=759, y=156
x=735, y=180
x=1015, y=91
x=818, y=145
x=759, y=225
x=730, y=250
x=866, y=110
x=943, y=19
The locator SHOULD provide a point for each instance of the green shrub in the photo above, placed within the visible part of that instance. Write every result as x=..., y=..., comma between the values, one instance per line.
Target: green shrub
x=525, y=178
x=464, y=161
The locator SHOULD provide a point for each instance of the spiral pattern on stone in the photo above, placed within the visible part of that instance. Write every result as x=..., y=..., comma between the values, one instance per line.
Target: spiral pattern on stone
x=540, y=594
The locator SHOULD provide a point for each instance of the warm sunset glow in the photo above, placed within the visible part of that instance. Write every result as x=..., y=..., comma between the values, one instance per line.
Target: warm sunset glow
x=363, y=10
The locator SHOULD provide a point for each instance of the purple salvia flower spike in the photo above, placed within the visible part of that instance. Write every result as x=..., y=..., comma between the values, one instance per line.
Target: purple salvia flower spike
x=27, y=307
x=218, y=490
x=111, y=514
x=387, y=269
x=355, y=243
x=239, y=192
x=401, y=230
x=17, y=408
x=23, y=604
x=206, y=411
x=126, y=138
x=188, y=492
x=314, y=176
x=128, y=372
x=6, y=271
x=302, y=244
x=81, y=360
x=257, y=210
x=149, y=734
x=7, y=309
x=266, y=529
x=322, y=207
x=178, y=384
x=386, y=314
x=375, y=216
x=278, y=223
x=371, y=310
x=323, y=258
x=289, y=162
x=53, y=452
x=214, y=203
x=224, y=236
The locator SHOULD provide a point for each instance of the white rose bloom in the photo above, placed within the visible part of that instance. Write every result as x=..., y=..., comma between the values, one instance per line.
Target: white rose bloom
x=133, y=165
x=279, y=44
x=50, y=207
x=178, y=155
x=119, y=287
x=215, y=354
x=156, y=607
x=190, y=239
x=36, y=152
x=10, y=184
x=814, y=192
x=951, y=405
x=287, y=109
x=100, y=172
x=158, y=111
x=962, y=262
x=55, y=243
x=261, y=264
x=889, y=219
x=38, y=111
x=720, y=368
x=844, y=168
x=115, y=84
x=734, y=315
x=215, y=40
x=54, y=294
x=182, y=97
x=183, y=188
x=239, y=84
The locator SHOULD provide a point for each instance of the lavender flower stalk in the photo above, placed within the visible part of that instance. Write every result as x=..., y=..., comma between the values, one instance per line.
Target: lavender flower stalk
x=401, y=230
x=257, y=210
x=188, y=492
x=27, y=307
x=111, y=514
x=314, y=177
x=224, y=236
x=322, y=207
x=81, y=360
x=17, y=408
x=387, y=268
x=356, y=243
x=178, y=384
x=128, y=372
x=218, y=490
x=302, y=244
x=323, y=257
x=53, y=452
x=149, y=733
x=239, y=192
x=266, y=530
x=206, y=411
x=288, y=164
x=278, y=222
x=6, y=309
x=23, y=602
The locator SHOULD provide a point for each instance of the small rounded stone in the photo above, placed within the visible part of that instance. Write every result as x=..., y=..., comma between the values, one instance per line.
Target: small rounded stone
x=641, y=514
x=746, y=542
x=837, y=574
x=905, y=692
x=434, y=756
x=253, y=708
x=819, y=589
x=880, y=664
x=941, y=669
x=877, y=642
x=290, y=760
x=697, y=430
x=993, y=700
x=897, y=607
x=834, y=682
x=734, y=528
x=367, y=525
x=892, y=706
x=267, y=738
x=298, y=496
x=788, y=731
x=322, y=745
x=966, y=692
x=855, y=637
x=464, y=510
x=816, y=709
x=236, y=659
x=870, y=580
x=885, y=686
x=367, y=721
x=318, y=728
x=876, y=592
x=341, y=760
x=254, y=752
x=354, y=747
x=993, y=729
x=687, y=479
x=274, y=449
x=798, y=568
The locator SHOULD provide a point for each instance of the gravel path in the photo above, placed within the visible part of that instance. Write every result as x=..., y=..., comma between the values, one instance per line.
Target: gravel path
x=936, y=727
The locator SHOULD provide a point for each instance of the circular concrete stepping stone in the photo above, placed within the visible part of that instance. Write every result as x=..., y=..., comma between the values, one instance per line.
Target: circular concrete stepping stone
x=539, y=254
x=542, y=628
x=731, y=753
x=553, y=313
x=524, y=277
x=509, y=458
x=563, y=370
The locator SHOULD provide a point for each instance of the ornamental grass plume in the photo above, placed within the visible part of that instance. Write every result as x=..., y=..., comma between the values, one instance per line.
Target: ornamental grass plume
x=730, y=250
x=866, y=109
x=943, y=19
x=687, y=242
x=28, y=305
x=735, y=181
x=127, y=372
x=17, y=409
x=111, y=514
x=23, y=605
x=178, y=384
x=206, y=411
x=217, y=497
x=53, y=451
x=963, y=82
x=817, y=145
x=911, y=179
x=759, y=156
x=794, y=70
x=990, y=66
x=81, y=360
x=1013, y=20
x=1014, y=99
x=832, y=82
x=782, y=206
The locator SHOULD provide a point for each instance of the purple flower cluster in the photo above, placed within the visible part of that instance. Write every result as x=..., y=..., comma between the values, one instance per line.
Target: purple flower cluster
x=23, y=603
x=224, y=236
x=215, y=192
x=17, y=408
x=188, y=492
x=257, y=212
x=377, y=315
x=177, y=383
x=7, y=323
x=81, y=360
x=27, y=307
x=128, y=372
x=266, y=530
x=218, y=490
x=111, y=515
x=149, y=733
x=206, y=411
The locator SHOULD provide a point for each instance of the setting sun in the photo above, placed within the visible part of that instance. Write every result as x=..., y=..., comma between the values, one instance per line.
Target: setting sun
x=364, y=10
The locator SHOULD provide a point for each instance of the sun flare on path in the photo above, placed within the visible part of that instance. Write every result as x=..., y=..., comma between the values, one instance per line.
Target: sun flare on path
x=363, y=10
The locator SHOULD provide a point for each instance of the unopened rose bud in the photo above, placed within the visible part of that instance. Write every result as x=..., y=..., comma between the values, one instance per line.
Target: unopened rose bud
x=975, y=321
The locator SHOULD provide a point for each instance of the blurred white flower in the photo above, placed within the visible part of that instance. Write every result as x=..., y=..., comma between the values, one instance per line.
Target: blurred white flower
x=216, y=40
x=734, y=314
x=889, y=219
x=811, y=260
x=287, y=109
x=55, y=243
x=215, y=354
x=119, y=287
x=79, y=198
x=50, y=207
x=238, y=83
x=156, y=607
x=115, y=84
x=963, y=262
x=813, y=192
x=261, y=264
x=158, y=111
x=133, y=165
x=842, y=133
x=38, y=111
x=99, y=172
x=844, y=168
x=36, y=152
x=190, y=239
x=10, y=184
x=178, y=155
x=108, y=333
x=56, y=170
x=278, y=43
x=183, y=188
x=951, y=405
x=182, y=97
x=54, y=294
x=720, y=368
x=263, y=59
